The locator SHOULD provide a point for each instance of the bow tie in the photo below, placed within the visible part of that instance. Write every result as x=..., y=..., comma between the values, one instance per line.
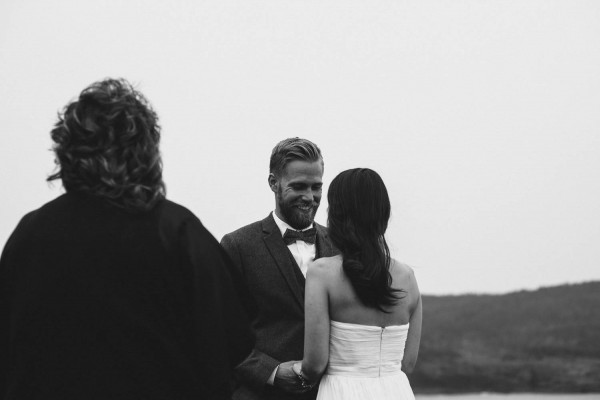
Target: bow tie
x=309, y=236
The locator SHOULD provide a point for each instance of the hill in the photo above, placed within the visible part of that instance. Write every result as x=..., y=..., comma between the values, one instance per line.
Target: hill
x=547, y=340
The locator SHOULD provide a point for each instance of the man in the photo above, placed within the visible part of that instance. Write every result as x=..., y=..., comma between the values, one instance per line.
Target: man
x=273, y=255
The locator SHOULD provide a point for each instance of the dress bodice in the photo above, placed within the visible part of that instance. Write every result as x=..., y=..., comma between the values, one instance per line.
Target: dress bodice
x=365, y=350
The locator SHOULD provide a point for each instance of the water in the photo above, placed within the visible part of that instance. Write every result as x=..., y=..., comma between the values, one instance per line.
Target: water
x=513, y=396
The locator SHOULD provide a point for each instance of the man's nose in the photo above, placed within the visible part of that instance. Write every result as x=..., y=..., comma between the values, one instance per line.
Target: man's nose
x=308, y=195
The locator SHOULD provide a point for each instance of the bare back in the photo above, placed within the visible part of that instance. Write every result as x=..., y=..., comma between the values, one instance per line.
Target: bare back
x=345, y=306
x=330, y=296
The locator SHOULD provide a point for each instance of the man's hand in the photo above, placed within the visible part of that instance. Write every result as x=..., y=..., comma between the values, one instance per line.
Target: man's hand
x=287, y=380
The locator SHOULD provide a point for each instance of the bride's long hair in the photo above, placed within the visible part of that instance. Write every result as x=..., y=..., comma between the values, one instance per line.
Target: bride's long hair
x=359, y=211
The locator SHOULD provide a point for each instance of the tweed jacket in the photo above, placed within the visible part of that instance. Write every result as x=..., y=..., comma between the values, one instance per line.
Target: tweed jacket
x=275, y=289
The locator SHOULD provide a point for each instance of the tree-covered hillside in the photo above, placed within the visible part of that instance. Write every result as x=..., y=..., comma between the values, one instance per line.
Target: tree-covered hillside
x=546, y=340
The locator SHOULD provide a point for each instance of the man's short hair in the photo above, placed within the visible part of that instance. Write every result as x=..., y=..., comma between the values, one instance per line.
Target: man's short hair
x=293, y=149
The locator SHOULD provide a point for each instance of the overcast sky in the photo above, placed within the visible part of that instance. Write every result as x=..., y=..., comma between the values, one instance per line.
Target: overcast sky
x=483, y=117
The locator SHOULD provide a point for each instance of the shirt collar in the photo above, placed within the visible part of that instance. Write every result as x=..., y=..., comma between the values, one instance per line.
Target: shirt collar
x=282, y=225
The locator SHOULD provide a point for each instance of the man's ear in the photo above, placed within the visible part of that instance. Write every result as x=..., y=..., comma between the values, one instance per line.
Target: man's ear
x=273, y=182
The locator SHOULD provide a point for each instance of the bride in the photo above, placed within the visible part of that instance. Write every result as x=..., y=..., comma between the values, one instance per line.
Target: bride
x=363, y=309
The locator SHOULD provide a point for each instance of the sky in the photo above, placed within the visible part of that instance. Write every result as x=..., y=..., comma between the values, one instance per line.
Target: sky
x=482, y=117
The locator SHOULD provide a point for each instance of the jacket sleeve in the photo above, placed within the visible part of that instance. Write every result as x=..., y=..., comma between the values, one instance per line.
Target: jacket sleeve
x=7, y=263
x=255, y=370
x=4, y=318
x=223, y=334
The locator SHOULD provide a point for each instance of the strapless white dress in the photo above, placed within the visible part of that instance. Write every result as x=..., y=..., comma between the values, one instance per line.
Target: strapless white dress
x=364, y=363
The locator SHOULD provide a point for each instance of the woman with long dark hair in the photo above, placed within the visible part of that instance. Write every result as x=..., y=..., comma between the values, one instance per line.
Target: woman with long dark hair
x=111, y=291
x=363, y=308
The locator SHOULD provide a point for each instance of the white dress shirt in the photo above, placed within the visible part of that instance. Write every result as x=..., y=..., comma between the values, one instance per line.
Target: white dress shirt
x=303, y=252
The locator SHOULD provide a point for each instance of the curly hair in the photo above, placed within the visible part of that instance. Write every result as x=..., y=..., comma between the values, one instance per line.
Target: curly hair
x=106, y=145
x=359, y=211
x=293, y=149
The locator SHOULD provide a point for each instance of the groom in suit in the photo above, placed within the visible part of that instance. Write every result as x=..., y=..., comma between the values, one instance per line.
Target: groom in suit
x=272, y=256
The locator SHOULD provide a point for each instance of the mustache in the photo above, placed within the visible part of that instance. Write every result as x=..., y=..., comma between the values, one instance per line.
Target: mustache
x=307, y=203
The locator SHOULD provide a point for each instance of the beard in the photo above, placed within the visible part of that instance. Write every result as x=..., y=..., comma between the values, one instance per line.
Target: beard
x=294, y=216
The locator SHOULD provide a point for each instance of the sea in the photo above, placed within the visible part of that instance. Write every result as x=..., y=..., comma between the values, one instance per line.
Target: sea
x=511, y=396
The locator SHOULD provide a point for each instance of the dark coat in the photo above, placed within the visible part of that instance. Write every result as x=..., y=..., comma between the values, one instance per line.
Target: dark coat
x=100, y=303
x=275, y=287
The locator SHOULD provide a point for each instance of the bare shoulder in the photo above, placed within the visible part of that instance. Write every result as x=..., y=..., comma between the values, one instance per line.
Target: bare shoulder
x=325, y=268
x=404, y=273
x=401, y=268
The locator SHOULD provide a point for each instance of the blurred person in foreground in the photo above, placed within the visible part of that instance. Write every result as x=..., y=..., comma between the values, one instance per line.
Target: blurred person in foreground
x=363, y=308
x=111, y=291
x=273, y=255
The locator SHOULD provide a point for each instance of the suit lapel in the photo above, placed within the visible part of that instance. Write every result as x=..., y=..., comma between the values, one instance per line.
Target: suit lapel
x=283, y=258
